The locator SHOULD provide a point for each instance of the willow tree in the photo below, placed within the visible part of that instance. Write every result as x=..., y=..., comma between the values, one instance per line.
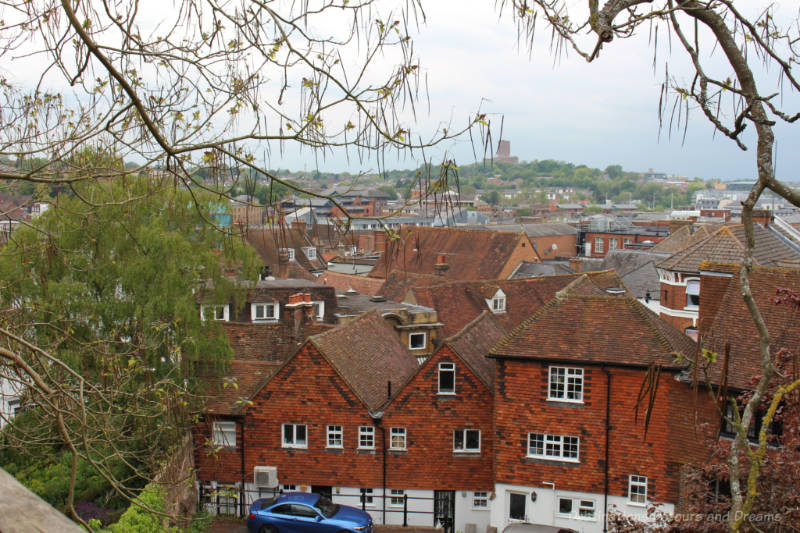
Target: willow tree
x=727, y=44
x=101, y=331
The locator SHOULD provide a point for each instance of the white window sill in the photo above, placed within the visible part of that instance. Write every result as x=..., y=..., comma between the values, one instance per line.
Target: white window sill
x=295, y=446
x=417, y=348
x=480, y=508
x=398, y=449
x=440, y=393
x=267, y=320
x=554, y=459
x=564, y=400
x=634, y=504
x=339, y=447
x=466, y=452
x=366, y=448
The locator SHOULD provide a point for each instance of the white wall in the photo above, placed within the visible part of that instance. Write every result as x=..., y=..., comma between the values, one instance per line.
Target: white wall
x=9, y=393
x=545, y=509
x=466, y=514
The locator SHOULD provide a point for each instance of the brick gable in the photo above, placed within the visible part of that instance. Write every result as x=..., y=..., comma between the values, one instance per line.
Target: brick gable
x=430, y=419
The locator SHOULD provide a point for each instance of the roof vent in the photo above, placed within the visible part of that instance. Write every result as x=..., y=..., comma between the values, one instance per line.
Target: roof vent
x=615, y=291
x=377, y=298
x=351, y=290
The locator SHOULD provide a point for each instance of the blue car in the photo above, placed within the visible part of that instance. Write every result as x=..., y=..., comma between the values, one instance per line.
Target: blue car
x=303, y=512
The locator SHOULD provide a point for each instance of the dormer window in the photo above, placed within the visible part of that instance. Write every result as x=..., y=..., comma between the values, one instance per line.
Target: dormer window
x=310, y=252
x=262, y=312
x=214, y=312
x=289, y=252
x=497, y=304
x=417, y=341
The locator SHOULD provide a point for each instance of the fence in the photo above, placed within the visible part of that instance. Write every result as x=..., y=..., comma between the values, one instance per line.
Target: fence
x=392, y=509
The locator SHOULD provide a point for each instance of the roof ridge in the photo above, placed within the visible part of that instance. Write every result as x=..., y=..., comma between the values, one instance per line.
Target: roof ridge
x=650, y=319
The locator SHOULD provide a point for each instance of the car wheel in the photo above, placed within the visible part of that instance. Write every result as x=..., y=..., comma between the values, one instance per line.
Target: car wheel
x=268, y=529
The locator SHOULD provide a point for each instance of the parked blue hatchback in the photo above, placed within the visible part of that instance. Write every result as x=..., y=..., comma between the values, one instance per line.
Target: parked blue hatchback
x=303, y=512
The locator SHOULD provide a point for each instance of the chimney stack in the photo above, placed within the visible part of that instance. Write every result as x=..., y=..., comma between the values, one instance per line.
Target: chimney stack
x=283, y=263
x=441, y=267
x=762, y=216
x=576, y=264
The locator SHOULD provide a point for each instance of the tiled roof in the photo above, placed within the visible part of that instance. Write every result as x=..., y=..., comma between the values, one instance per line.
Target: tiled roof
x=367, y=354
x=528, y=269
x=542, y=229
x=684, y=237
x=228, y=395
x=726, y=245
x=637, y=270
x=398, y=283
x=734, y=325
x=268, y=242
x=597, y=329
x=343, y=282
x=473, y=343
x=471, y=254
x=458, y=303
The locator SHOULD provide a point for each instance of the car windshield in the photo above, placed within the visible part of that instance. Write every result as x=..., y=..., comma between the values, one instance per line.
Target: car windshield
x=326, y=507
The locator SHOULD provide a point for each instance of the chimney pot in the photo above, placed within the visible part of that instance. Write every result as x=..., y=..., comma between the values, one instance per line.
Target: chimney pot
x=441, y=267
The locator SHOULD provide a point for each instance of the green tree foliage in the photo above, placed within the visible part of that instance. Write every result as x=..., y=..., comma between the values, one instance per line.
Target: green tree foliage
x=101, y=327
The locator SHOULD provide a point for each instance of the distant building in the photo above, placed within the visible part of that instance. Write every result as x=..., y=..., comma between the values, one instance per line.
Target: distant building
x=503, y=154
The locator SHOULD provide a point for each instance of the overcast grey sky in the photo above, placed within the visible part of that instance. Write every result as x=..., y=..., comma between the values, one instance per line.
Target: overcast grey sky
x=599, y=113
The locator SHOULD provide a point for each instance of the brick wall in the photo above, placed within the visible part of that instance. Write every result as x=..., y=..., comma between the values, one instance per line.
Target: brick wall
x=223, y=465
x=566, y=246
x=430, y=419
x=712, y=289
x=522, y=252
x=274, y=342
x=309, y=391
x=521, y=407
x=674, y=297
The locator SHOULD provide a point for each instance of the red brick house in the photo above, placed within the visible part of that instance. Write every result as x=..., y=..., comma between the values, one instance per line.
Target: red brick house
x=569, y=443
x=679, y=274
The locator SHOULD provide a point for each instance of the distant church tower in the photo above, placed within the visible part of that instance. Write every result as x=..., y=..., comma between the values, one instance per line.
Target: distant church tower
x=504, y=153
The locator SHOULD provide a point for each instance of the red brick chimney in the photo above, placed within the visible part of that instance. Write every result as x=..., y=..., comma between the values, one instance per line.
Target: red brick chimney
x=762, y=216
x=283, y=263
x=576, y=265
x=441, y=267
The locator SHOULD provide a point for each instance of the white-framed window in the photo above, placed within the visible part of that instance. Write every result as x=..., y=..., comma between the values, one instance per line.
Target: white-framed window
x=576, y=508
x=637, y=490
x=397, y=439
x=480, y=500
x=289, y=488
x=497, y=304
x=335, y=436
x=289, y=252
x=554, y=447
x=693, y=294
x=366, y=437
x=417, y=341
x=447, y=378
x=396, y=497
x=295, y=436
x=368, y=497
x=598, y=245
x=224, y=434
x=565, y=384
x=612, y=244
x=263, y=312
x=626, y=241
x=310, y=252
x=220, y=313
x=467, y=440
x=319, y=309
x=586, y=509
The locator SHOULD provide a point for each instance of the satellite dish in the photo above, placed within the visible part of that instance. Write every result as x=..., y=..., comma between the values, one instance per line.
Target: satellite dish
x=554, y=246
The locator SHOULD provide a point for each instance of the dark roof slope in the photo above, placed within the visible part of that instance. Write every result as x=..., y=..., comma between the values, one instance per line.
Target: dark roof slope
x=228, y=395
x=398, y=283
x=733, y=325
x=367, y=354
x=473, y=343
x=597, y=329
x=268, y=242
x=471, y=254
x=685, y=236
x=726, y=245
x=458, y=303
x=637, y=270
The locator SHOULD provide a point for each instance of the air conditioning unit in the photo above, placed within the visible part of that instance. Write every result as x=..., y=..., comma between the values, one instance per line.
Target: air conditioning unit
x=265, y=476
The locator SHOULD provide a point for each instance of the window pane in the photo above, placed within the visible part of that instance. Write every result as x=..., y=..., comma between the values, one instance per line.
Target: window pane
x=458, y=440
x=473, y=439
x=516, y=507
x=288, y=435
x=565, y=506
x=447, y=379
x=300, y=434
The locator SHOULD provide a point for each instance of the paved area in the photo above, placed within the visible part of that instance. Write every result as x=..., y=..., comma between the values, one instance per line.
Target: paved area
x=226, y=525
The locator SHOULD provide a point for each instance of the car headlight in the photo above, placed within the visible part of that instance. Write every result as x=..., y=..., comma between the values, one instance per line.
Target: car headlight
x=361, y=528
